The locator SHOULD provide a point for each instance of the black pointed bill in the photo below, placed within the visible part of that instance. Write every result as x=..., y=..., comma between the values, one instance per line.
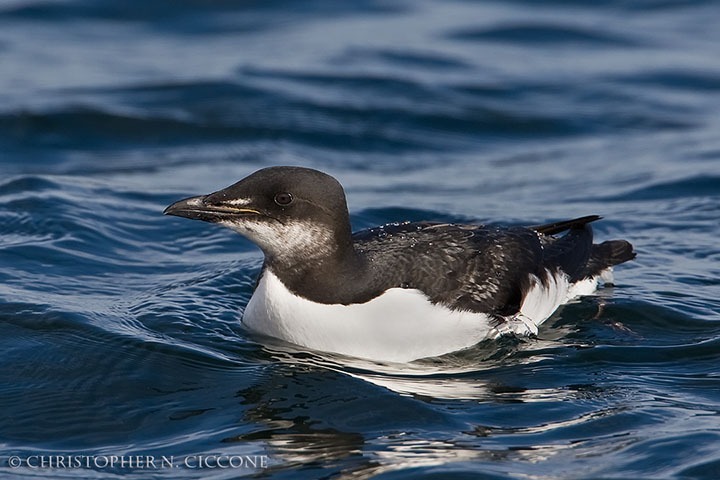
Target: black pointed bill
x=197, y=208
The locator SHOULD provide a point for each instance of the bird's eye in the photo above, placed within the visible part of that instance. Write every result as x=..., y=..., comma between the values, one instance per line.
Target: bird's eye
x=283, y=199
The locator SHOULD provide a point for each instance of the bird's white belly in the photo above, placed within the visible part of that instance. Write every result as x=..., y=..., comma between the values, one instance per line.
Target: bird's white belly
x=398, y=326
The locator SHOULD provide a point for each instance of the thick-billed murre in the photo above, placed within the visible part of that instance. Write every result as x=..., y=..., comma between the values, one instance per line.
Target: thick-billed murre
x=403, y=291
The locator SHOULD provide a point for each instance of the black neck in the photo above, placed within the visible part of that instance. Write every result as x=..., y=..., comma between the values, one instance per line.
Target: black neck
x=345, y=277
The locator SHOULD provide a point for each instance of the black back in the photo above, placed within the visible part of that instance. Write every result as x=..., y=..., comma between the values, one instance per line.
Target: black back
x=475, y=268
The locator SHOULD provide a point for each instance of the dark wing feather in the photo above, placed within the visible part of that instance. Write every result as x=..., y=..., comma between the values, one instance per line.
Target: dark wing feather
x=465, y=267
x=481, y=268
x=559, y=227
x=569, y=253
x=575, y=254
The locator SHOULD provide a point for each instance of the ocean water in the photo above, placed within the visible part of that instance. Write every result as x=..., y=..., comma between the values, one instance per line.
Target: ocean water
x=119, y=328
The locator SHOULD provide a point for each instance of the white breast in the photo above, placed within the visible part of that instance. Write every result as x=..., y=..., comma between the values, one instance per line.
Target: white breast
x=398, y=326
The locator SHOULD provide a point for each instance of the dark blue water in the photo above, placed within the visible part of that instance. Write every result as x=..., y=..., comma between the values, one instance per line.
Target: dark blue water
x=119, y=328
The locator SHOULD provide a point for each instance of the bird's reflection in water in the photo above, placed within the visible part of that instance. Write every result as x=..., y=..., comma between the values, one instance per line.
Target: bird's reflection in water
x=395, y=416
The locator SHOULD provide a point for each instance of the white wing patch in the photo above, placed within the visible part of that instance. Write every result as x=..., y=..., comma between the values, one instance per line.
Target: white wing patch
x=542, y=300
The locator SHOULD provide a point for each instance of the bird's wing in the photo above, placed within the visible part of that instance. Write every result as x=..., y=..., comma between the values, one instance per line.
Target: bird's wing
x=482, y=268
x=464, y=267
x=561, y=226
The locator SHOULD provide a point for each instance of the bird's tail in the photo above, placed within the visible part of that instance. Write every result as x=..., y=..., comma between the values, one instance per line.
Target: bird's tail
x=606, y=255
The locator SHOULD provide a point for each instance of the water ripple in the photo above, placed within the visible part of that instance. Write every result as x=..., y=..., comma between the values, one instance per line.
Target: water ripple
x=539, y=35
x=119, y=328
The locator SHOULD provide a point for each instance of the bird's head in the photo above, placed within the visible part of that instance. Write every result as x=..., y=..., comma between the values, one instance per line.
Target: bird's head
x=286, y=211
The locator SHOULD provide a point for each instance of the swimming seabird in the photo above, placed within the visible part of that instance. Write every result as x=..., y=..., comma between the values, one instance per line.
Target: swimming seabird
x=401, y=291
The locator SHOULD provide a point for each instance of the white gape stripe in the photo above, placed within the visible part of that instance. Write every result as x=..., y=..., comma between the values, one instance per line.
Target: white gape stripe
x=400, y=325
x=238, y=202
